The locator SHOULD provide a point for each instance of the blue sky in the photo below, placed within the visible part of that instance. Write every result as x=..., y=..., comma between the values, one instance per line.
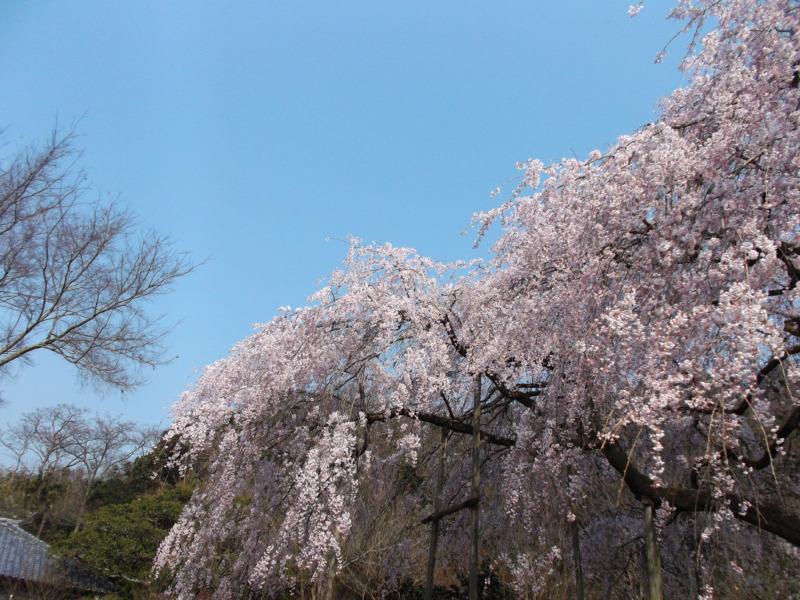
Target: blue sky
x=252, y=131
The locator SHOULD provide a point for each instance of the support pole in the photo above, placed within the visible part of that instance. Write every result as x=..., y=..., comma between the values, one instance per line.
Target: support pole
x=576, y=554
x=437, y=507
x=653, y=554
x=576, y=543
x=331, y=572
x=476, y=480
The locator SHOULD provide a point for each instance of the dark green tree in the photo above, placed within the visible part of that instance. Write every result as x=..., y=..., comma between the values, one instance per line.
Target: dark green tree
x=119, y=541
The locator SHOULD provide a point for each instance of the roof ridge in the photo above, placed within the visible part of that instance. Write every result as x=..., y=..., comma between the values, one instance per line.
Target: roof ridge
x=16, y=529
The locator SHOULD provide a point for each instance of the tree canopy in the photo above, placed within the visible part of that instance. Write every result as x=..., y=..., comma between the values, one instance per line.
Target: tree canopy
x=630, y=350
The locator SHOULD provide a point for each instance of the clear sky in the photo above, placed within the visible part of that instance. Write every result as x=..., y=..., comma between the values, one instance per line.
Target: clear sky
x=252, y=131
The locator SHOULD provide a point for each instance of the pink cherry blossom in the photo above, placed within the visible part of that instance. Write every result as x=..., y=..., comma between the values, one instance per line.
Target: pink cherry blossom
x=636, y=330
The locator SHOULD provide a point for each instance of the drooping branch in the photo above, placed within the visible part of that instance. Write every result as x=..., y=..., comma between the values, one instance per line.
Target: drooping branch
x=789, y=426
x=765, y=371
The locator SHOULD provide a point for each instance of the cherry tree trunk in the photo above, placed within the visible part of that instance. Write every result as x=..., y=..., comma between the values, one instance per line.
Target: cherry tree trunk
x=653, y=555
x=476, y=480
x=437, y=506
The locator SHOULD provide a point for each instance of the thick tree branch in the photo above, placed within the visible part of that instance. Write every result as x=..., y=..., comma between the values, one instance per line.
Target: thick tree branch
x=456, y=426
x=772, y=519
x=468, y=503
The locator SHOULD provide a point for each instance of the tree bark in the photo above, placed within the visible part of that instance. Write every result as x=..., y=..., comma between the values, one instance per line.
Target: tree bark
x=476, y=480
x=437, y=506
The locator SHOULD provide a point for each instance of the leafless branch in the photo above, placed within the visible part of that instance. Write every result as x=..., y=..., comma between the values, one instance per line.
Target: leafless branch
x=75, y=275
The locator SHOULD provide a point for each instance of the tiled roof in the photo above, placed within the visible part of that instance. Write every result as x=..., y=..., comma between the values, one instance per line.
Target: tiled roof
x=24, y=557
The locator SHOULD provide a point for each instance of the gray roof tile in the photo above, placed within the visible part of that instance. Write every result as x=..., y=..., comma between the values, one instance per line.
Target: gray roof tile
x=22, y=556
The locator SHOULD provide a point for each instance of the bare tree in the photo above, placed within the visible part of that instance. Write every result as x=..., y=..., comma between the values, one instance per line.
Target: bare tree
x=67, y=440
x=42, y=441
x=75, y=275
x=105, y=443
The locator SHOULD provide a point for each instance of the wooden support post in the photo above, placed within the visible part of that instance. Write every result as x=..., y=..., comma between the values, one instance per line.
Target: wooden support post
x=331, y=573
x=576, y=543
x=474, y=559
x=576, y=554
x=653, y=554
x=437, y=507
